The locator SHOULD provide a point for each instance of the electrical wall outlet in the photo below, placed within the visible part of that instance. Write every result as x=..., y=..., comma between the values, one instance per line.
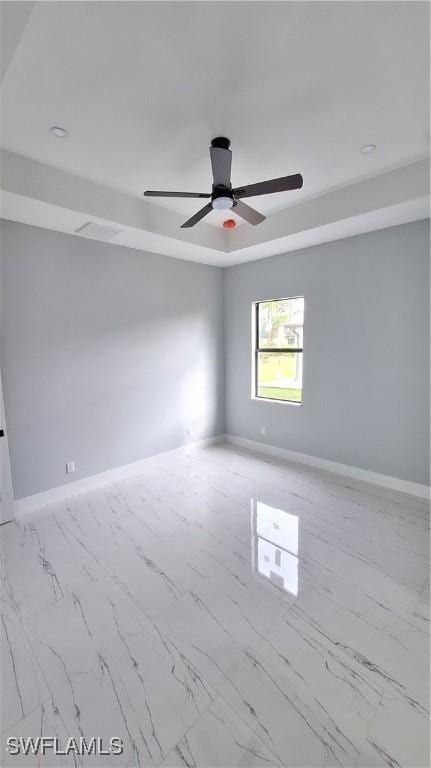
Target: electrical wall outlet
x=263, y=431
x=70, y=467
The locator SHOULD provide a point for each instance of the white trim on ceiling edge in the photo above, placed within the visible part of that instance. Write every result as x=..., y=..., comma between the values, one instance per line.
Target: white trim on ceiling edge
x=36, y=502
x=355, y=473
x=39, y=500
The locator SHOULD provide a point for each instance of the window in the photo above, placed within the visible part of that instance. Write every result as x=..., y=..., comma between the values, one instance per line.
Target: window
x=278, y=342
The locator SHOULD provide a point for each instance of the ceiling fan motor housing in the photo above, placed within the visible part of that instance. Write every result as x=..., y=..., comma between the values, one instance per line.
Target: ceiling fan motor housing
x=221, y=142
x=222, y=197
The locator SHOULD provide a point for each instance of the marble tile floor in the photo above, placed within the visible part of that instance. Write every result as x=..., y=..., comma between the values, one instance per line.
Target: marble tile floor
x=220, y=609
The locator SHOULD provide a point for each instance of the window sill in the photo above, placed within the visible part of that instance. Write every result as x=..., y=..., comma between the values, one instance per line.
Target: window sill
x=275, y=400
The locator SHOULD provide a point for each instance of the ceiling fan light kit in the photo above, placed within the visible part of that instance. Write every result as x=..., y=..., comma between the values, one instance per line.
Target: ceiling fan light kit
x=224, y=197
x=222, y=203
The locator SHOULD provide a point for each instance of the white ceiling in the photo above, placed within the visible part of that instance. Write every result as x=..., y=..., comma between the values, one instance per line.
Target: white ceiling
x=142, y=87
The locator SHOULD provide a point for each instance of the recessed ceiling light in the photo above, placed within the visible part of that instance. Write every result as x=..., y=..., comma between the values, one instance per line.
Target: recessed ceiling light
x=367, y=148
x=59, y=133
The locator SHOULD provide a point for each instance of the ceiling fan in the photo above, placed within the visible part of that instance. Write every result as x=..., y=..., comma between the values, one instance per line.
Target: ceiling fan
x=223, y=196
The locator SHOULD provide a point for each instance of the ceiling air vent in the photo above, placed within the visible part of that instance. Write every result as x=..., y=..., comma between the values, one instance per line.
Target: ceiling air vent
x=98, y=231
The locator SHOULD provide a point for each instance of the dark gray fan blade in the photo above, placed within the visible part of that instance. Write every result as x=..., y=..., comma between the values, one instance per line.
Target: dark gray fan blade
x=152, y=193
x=221, y=162
x=247, y=213
x=198, y=216
x=284, y=184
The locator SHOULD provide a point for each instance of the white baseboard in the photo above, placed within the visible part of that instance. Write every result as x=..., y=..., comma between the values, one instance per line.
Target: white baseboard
x=385, y=481
x=39, y=500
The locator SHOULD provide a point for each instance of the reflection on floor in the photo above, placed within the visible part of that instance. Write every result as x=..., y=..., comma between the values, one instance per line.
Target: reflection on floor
x=161, y=611
x=275, y=545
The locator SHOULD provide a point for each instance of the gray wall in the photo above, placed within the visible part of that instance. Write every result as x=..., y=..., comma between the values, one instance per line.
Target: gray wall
x=108, y=354
x=366, y=351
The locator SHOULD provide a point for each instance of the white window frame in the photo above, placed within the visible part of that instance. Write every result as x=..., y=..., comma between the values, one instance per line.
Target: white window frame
x=256, y=349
